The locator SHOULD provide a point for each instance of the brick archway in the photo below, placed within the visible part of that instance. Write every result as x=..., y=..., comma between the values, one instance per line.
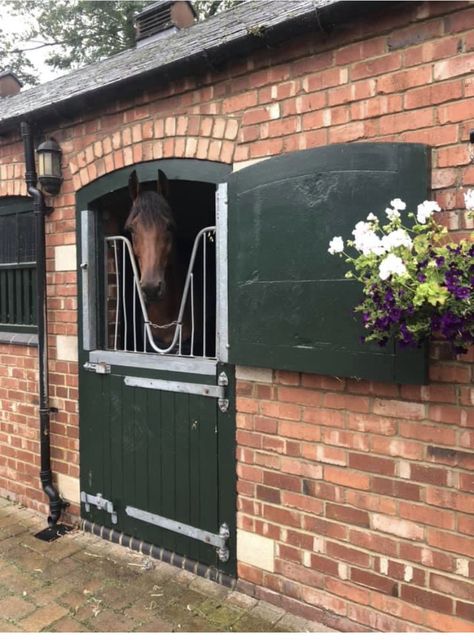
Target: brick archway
x=194, y=137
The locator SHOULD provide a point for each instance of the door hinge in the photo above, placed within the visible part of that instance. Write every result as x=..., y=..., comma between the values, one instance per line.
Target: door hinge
x=217, y=540
x=97, y=367
x=100, y=503
x=223, y=382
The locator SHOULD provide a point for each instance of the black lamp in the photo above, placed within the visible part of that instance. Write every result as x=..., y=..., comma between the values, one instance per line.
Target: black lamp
x=49, y=166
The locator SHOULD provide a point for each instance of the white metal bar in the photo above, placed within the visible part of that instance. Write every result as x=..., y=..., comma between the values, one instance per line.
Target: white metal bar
x=117, y=301
x=222, y=326
x=204, y=291
x=189, y=285
x=124, y=301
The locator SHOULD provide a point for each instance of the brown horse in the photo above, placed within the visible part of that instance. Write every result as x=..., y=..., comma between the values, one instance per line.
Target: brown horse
x=162, y=273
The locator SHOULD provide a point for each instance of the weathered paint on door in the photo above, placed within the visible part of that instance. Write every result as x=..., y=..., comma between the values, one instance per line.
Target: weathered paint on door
x=168, y=453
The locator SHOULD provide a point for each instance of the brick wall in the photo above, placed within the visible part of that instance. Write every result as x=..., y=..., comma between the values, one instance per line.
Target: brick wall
x=358, y=496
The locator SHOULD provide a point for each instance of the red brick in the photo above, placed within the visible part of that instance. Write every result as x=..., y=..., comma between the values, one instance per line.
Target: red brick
x=433, y=94
x=299, y=430
x=374, y=581
x=372, y=424
x=426, y=599
x=302, y=503
x=457, y=66
x=435, y=434
x=456, y=112
x=455, y=588
x=347, y=554
x=268, y=494
x=465, y=610
x=428, y=475
x=346, y=478
x=399, y=409
x=404, y=80
x=300, y=574
x=324, y=565
x=325, y=417
x=440, y=622
x=420, y=513
x=281, y=481
x=376, y=67
x=282, y=516
x=380, y=466
x=449, y=541
x=395, y=488
x=306, y=397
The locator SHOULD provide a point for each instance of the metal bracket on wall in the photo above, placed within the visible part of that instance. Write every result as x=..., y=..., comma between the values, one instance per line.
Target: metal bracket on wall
x=100, y=503
x=218, y=540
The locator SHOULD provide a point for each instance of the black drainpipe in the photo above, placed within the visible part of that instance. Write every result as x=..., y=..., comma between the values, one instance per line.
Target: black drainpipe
x=56, y=504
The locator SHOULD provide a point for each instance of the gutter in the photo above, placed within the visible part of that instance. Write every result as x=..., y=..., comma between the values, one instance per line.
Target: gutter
x=56, y=504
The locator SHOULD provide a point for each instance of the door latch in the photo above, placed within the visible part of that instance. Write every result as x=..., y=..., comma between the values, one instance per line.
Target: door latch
x=100, y=503
x=97, y=367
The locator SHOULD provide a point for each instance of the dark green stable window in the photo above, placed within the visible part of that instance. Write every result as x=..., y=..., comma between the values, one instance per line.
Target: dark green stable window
x=17, y=265
x=290, y=306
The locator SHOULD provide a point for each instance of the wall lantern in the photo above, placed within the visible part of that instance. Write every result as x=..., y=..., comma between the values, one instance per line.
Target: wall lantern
x=49, y=166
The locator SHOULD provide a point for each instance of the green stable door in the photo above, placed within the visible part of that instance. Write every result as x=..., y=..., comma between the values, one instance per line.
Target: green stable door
x=157, y=432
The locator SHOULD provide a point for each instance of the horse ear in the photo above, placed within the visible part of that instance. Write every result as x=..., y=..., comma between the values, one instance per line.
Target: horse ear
x=163, y=184
x=133, y=185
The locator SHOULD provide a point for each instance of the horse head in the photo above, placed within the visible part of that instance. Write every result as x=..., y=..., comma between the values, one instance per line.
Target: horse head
x=151, y=225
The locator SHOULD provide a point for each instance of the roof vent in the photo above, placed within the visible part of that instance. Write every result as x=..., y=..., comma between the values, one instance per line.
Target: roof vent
x=9, y=84
x=161, y=19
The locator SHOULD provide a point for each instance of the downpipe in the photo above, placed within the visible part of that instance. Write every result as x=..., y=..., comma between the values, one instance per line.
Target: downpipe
x=56, y=503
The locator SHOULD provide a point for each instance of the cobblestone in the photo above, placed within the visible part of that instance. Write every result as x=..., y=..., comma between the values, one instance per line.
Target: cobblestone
x=81, y=583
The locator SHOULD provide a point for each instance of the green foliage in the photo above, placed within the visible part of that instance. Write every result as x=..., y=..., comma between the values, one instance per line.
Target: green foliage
x=415, y=284
x=76, y=32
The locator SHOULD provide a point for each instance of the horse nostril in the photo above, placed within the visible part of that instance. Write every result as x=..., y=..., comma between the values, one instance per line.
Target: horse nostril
x=153, y=291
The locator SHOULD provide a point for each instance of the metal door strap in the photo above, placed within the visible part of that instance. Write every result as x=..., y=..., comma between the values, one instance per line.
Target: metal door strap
x=218, y=540
x=100, y=503
x=209, y=390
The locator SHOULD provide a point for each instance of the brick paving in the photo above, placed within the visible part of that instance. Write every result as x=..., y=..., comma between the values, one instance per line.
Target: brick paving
x=83, y=583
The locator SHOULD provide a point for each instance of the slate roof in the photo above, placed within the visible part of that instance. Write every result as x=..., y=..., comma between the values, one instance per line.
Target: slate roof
x=230, y=33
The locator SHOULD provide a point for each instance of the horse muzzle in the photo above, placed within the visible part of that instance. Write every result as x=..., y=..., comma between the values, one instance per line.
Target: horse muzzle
x=153, y=292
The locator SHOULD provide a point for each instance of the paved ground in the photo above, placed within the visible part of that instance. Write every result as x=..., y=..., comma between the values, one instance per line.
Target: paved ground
x=83, y=583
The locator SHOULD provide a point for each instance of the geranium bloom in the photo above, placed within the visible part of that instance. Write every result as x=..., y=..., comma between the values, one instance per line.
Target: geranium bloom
x=392, y=214
x=469, y=199
x=336, y=245
x=391, y=265
x=398, y=204
x=426, y=209
x=397, y=238
x=367, y=241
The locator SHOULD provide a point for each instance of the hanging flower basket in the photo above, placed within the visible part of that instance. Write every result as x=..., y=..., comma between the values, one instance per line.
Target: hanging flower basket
x=416, y=282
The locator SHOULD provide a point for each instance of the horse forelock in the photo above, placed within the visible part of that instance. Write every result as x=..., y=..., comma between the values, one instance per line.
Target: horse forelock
x=151, y=209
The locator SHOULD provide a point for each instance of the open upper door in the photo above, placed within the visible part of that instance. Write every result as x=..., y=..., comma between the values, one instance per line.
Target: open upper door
x=290, y=306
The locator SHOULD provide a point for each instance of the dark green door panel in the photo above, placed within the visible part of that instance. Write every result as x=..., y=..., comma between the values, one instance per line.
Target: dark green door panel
x=290, y=306
x=161, y=452
x=168, y=453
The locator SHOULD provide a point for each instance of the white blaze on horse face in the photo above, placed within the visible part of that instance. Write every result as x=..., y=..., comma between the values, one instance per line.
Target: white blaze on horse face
x=152, y=247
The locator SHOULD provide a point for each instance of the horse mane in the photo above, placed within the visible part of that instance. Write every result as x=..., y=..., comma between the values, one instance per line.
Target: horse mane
x=152, y=208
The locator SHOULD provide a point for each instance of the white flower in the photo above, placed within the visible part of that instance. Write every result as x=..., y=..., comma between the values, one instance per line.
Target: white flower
x=372, y=218
x=336, y=245
x=391, y=265
x=392, y=214
x=469, y=199
x=397, y=238
x=367, y=241
x=398, y=204
x=426, y=209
